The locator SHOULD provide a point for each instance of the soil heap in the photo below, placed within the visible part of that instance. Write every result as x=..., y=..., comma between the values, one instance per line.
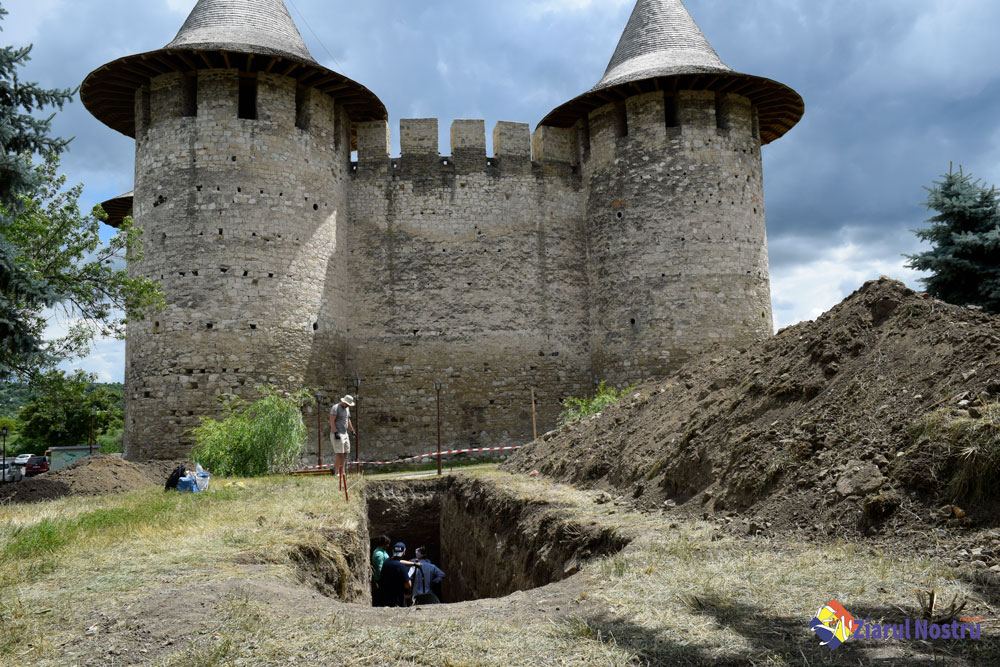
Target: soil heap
x=827, y=427
x=91, y=476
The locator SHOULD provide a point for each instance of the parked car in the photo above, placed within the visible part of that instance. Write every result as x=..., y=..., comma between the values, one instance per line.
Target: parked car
x=10, y=472
x=36, y=465
x=21, y=459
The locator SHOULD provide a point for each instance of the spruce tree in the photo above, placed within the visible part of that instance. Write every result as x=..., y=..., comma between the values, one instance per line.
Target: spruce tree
x=22, y=134
x=52, y=258
x=964, y=260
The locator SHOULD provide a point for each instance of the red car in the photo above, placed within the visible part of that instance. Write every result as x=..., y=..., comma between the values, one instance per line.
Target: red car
x=36, y=465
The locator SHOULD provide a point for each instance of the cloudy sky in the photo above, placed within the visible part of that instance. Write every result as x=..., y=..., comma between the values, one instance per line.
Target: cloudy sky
x=895, y=91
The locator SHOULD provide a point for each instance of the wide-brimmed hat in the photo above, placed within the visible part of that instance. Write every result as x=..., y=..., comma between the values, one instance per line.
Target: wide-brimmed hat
x=349, y=400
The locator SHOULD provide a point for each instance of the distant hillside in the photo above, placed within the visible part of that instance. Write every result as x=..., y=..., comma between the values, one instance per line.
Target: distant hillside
x=13, y=396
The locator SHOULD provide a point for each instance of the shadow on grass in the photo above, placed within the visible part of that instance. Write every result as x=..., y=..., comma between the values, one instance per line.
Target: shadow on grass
x=781, y=640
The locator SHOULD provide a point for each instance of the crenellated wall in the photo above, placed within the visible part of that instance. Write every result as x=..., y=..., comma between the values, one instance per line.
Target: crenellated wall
x=613, y=250
x=241, y=217
x=469, y=269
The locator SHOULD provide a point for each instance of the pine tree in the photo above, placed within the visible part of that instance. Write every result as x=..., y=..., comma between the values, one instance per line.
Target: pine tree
x=51, y=254
x=965, y=234
x=22, y=135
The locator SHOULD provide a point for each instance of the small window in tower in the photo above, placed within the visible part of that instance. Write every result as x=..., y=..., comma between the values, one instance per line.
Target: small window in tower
x=145, y=113
x=189, y=97
x=303, y=115
x=722, y=112
x=621, y=120
x=670, y=106
x=248, y=98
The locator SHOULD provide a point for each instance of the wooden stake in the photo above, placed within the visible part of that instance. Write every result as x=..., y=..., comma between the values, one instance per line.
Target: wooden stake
x=534, y=422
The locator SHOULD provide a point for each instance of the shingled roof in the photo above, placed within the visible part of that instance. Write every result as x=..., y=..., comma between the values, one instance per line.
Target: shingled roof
x=663, y=48
x=257, y=26
x=248, y=35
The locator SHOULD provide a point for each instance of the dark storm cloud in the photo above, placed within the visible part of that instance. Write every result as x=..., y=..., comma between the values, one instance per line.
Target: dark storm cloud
x=895, y=90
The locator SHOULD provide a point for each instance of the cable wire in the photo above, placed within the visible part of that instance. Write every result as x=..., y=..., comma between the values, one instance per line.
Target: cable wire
x=304, y=20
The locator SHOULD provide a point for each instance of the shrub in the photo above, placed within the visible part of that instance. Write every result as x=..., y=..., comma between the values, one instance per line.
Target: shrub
x=578, y=408
x=261, y=438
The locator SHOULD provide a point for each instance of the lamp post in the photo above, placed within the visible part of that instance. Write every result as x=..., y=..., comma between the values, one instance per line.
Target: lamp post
x=3, y=475
x=357, y=417
x=91, y=441
x=437, y=387
x=319, y=428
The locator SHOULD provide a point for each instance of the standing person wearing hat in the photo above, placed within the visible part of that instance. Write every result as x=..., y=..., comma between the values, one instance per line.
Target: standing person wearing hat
x=340, y=423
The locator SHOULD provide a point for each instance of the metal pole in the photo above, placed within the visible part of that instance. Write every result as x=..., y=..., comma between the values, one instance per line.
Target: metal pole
x=437, y=386
x=319, y=428
x=91, y=431
x=357, y=416
x=534, y=423
x=3, y=476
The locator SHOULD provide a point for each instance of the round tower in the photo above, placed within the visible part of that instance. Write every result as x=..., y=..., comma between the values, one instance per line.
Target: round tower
x=669, y=144
x=243, y=149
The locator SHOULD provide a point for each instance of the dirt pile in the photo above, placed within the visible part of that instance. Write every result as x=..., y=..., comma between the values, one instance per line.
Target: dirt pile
x=824, y=428
x=91, y=476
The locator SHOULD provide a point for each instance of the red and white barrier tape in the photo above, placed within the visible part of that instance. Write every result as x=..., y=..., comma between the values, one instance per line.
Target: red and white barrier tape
x=327, y=466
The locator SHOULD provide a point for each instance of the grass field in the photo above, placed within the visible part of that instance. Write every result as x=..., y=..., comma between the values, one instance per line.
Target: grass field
x=217, y=579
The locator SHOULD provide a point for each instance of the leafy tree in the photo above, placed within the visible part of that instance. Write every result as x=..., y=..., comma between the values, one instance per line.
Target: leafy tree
x=260, y=438
x=51, y=255
x=59, y=413
x=60, y=247
x=965, y=234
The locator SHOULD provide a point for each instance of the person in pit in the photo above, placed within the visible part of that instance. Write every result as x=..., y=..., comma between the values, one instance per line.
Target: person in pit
x=394, y=580
x=379, y=556
x=425, y=576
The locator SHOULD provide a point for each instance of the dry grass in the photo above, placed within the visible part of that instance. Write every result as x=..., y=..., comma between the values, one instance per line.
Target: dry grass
x=681, y=593
x=60, y=560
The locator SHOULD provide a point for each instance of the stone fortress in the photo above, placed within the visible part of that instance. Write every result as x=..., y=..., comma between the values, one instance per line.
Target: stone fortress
x=624, y=235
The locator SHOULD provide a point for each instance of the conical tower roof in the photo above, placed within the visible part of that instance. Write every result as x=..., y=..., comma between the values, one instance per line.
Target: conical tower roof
x=248, y=35
x=660, y=39
x=251, y=26
x=663, y=48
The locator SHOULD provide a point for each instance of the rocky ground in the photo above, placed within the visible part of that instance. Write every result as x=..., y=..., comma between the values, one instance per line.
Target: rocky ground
x=834, y=428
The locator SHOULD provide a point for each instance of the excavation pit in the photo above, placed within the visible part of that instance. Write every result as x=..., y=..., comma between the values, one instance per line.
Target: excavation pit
x=489, y=541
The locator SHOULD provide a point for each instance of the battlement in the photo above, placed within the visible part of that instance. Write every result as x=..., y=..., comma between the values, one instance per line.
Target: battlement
x=277, y=103
x=694, y=119
x=513, y=143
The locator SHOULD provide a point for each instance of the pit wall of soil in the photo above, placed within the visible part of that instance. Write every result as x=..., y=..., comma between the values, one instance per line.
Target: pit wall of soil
x=489, y=540
x=336, y=564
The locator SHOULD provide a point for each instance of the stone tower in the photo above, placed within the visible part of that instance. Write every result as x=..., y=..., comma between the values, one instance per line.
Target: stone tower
x=669, y=142
x=243, y=149
x=626, y=235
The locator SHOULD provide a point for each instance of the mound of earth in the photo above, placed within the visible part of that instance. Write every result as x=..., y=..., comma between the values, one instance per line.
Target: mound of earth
x=91, y=476
x=815, y=429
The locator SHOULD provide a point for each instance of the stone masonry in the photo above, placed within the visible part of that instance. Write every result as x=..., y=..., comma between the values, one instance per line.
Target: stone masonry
x=613, y=244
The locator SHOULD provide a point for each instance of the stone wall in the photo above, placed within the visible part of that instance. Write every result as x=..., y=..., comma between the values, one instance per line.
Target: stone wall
x=612, y=250
x=466, y=269
x=240, y=218
x=675, y=219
